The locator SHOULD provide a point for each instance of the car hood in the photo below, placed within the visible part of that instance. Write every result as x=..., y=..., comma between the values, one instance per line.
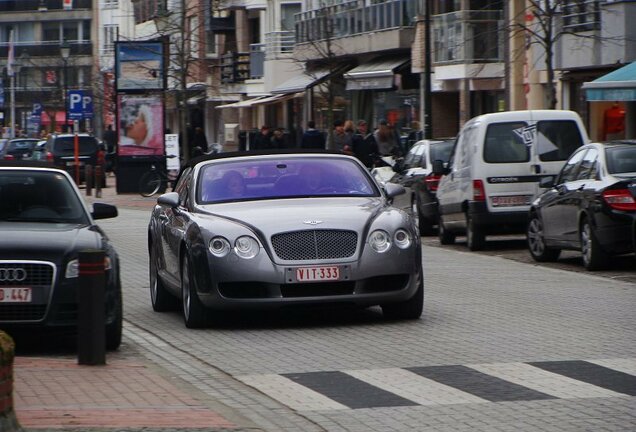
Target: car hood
x=51, y=242
x=273, y=216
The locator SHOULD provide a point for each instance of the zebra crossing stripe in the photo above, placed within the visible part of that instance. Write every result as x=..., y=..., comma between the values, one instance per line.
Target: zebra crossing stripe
x=349, y=391
x=410, y=386
x=625, y=365
x=592, y=373
x=543, y=381
x=479, y=384
x=287, y=392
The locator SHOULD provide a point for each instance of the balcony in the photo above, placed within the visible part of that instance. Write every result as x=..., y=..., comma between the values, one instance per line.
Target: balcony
x=46, y=48
x=466, y=37
x=278, y=43
x=353, y=18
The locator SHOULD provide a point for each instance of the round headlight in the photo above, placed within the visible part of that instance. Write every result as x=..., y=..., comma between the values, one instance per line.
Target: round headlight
x=380, y=241
x=246, y=247
x=402, y=239
x=219, y=246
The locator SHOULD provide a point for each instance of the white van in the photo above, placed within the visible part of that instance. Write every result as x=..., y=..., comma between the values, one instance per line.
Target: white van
x=495, y=167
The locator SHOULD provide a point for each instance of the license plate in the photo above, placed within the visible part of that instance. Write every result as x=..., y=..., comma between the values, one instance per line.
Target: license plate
x=511, y=200
x=310, y=274
x=15, y=295
x=72, y=163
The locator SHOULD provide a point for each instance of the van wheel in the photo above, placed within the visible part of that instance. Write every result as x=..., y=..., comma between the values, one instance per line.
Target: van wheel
x=445, y=237
x=594, y=257
x=475, y=237
x=536, y=241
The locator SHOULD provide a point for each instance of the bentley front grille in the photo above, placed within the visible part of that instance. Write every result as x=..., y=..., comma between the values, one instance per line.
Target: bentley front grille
x=315, y=244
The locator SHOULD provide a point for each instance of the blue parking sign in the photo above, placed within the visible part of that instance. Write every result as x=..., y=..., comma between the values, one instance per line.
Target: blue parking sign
x=80, y=105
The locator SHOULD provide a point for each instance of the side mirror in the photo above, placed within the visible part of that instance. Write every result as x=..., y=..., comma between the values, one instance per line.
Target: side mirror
x=170, y=199
x=439, y=168
x=393, y=190
x=546, y=182
x=104, y=211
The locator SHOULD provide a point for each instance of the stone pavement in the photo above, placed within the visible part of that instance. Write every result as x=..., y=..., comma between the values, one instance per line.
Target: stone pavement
x=52, y=392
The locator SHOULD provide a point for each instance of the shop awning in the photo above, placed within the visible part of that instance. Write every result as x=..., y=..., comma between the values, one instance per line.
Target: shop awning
x=306, y=80
x=377, y=74
x=241, y=104
x=279, y=98
x=59, y=118
x=619, y=85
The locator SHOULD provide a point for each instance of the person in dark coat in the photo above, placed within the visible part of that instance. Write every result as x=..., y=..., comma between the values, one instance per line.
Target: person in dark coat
x=263, y=140
x=312, y=137
x=278, y=139
x=364, y=146
x=110, y=138
x=199, y=139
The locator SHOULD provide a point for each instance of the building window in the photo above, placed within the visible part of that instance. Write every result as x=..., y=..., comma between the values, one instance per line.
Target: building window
x=110, y=36
x=109, y=4
x=581, y=15
x=193, y=25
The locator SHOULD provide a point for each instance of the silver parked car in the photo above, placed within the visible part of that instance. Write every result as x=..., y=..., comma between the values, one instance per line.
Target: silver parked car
x=262, y=231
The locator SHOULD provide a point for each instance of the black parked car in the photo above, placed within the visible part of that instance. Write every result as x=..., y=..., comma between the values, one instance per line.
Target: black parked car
x=590, y=207
x=18, y=148
x=415, y=173
x=61, y=150
x=44, y=223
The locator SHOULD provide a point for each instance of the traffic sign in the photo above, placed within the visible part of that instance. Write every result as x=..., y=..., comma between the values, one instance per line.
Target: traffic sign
x=80, y=105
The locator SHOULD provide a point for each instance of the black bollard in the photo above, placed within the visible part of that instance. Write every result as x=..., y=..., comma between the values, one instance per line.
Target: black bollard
x=91, y=333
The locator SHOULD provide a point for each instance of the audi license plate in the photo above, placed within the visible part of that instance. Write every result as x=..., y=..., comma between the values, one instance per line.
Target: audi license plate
x=15, y=295
x=311, y=274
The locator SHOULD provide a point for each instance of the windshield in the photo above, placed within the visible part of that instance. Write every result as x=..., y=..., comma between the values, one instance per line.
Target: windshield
x=21, y=145
x=621, y=160
x=65, y=146
x=283, y=178
x=441, y=151
x=39, y=196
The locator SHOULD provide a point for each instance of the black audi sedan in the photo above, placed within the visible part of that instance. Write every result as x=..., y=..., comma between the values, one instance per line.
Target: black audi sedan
x=44, y=224
x=591, y=206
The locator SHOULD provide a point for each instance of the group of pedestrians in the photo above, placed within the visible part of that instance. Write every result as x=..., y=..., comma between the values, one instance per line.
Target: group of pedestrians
x=268, y=139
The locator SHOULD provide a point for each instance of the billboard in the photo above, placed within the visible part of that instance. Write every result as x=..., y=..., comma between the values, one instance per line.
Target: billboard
x=140, y=125
x=139, y=66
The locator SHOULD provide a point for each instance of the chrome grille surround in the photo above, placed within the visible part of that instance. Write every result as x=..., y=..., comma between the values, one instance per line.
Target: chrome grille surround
x=40, y=275
x=315, y=244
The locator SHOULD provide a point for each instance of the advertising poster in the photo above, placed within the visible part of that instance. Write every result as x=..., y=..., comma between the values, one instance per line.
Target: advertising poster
x=140, y=125
x=139, y=66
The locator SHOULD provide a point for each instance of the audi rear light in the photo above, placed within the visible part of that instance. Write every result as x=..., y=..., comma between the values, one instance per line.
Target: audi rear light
x=620, y=199
x=479, y=193
x=431, y=182
x=49, y=157
x=8, y=157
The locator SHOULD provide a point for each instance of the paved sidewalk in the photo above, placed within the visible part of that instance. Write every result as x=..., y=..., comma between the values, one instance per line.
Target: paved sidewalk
x=124, y=200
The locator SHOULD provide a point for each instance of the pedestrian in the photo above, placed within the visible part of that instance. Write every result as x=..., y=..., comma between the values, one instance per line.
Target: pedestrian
x=263, y=140
x=339, y=140
x=110, y=138
x=199, y=139
x=312, y=137
x=350, y=131
x=385, y=139
x=278, y=140
x=363, y=145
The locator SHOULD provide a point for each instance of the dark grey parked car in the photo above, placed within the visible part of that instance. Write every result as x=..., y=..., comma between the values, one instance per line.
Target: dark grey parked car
x=287, y=229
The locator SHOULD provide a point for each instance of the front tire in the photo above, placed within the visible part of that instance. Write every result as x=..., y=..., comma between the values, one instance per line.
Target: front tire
x=475, y=237
x=536, y=242
x=193, y=309
x=425, y=225
x=594, y=257
x=407, y=310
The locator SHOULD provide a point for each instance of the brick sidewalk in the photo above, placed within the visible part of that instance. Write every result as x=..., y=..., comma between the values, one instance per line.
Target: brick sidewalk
x=124, y=200
x=57, y=393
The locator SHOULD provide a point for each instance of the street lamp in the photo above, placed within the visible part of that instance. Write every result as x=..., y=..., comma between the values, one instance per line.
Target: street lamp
x=65, y=52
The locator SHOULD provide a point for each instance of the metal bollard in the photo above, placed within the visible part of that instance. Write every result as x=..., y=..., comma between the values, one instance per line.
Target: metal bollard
x=88, y=176
x=91, y=331
x=99, y=180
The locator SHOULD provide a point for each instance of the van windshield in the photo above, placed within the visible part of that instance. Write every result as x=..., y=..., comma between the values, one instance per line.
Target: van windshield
x=557, y=139
x=507, y=143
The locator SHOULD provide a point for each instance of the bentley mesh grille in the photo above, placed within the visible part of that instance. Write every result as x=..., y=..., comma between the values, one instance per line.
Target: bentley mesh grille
x=315, y=244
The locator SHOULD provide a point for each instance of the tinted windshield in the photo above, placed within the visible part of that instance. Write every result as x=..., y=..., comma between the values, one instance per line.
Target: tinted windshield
x=39, y=196
x=65, y=146
x=621, y=160
x=283, y=178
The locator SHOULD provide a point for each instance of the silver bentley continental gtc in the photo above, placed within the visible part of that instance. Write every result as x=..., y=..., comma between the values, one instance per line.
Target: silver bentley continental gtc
x=255, y=230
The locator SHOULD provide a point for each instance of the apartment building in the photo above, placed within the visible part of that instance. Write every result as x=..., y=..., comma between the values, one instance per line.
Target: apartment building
x=52, y=42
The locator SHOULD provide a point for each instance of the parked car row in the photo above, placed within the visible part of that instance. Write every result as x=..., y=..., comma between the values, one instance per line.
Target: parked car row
x=531, y=172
